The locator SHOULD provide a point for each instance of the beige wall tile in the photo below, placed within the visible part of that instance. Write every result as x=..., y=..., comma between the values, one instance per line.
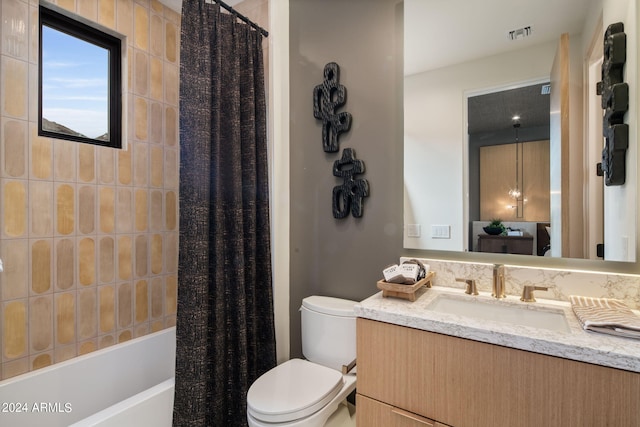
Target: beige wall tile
x=87, y=162
x=41, y=155
x=15, y=208
x=124, y=19
x=124, y=167
x=41, y=361
x=156, y=210
x=15, y=148
x=125, y=305
x=65, y=255
x=107, y=13
x=171, y=83
x=88, y=9
x=106, y=295
x=65, y=209
x=13, y=95
x=107, y=341
x=125, y=257
x=87, y=262
x=142, y=301
x=87, y=347
x=86, y=209
x=41, y=323
x=156, y=35
x=107, y=265
x=125, y=336
x=171, y=42
x=140, y=164
x=15, y=37
x=157, y=298
x=14, y=330
x=171, y=252
x=156, y=126
x=14, y=280
x=15, y=368
x=107, y=209
x=124, y=219
x=141, y=73
x=64, y=156
x=64, y=352
x=41, y=208
x=157, y=166
x=41, y=253
x=156, y=254
x=171, y=210
x=141, y=28
x=70, y=5
x=171, y=168
x=156, y=83
x=171, y=298
x=106, y=165
x=141, y=117
x=171, y=126
x=141, y=255
x=142, y=210
x=87, y=314
x=65, y=318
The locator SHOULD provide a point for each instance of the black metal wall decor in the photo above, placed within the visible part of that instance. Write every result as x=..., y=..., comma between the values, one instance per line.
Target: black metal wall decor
x=615, y=102
x=327, y=97
x=348, y=196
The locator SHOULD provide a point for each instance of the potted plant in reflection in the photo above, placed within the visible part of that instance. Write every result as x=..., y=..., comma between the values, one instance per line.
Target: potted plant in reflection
x=495, y=227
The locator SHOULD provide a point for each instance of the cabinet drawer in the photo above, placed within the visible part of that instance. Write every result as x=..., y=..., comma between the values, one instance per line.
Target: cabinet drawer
x=463, y=383
x=371, y=413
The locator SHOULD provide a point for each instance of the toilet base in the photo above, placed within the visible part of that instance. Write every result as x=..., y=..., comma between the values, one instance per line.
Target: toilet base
x=344, y=416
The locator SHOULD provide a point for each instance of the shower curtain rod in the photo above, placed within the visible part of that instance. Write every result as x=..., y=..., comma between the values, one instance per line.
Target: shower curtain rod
x=241, y=17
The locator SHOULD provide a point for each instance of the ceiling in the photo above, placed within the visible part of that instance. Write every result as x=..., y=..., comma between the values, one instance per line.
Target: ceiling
x=440, y=33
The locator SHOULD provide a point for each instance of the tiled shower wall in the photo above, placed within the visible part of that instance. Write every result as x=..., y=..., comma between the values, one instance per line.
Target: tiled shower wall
x=89, y=235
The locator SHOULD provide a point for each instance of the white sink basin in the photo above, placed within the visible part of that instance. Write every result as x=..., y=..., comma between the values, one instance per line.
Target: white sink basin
x=500, y=311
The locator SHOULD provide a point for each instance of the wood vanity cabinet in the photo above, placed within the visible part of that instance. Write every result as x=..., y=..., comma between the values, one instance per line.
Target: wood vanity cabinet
x=409, y=377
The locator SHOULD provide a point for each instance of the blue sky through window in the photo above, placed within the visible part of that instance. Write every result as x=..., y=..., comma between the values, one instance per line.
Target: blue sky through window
x=75, y=83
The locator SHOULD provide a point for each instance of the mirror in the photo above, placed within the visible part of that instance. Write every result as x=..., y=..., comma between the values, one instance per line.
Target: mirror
x=80, y=91
x=501, y=46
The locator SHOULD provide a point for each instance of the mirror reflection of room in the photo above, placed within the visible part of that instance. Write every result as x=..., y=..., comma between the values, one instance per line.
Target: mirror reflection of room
x=496, y=48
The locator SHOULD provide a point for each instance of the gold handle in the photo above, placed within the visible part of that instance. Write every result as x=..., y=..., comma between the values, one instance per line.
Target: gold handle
x=413, y=417
x=527, y=292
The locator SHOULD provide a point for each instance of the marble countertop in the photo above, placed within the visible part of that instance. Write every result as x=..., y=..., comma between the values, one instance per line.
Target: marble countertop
x=575, y=344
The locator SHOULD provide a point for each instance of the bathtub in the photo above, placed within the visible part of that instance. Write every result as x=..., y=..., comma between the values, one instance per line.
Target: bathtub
x=130, y=384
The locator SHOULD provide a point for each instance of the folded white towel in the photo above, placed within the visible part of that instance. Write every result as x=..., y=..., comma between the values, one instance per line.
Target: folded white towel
x=606, y=315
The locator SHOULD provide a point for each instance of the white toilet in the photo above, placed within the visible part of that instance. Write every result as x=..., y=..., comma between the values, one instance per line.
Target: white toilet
x=311, y=392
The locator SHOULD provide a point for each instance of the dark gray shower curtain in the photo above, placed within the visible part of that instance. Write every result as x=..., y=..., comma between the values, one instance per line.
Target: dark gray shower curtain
x=225, y=328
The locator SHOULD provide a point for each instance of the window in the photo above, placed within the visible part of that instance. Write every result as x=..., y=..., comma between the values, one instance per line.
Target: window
x=80, y=81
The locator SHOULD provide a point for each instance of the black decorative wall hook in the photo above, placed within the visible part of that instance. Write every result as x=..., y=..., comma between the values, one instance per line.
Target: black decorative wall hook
x=327, y=97
x=615, y=102
x=348, y=196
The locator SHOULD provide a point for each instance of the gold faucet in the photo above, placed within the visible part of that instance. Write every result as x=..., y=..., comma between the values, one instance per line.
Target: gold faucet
x=527, y=292
x=471, y=287
x=498, y=281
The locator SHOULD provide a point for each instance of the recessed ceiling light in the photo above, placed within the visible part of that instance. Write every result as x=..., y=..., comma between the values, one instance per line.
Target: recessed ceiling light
x=519, y=33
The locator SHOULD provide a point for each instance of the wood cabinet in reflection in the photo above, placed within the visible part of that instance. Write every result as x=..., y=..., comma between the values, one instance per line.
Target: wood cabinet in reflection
x=522, y=245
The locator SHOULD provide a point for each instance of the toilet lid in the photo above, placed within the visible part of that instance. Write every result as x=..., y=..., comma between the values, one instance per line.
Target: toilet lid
x=292, y=390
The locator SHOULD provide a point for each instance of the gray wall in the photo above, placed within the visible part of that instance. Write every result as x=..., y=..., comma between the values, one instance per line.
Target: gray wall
x=345, y=257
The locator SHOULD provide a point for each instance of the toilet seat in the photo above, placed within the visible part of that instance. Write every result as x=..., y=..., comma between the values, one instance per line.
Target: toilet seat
x=292, y=390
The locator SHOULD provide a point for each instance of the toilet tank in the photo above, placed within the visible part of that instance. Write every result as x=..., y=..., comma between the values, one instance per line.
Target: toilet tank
x=328, y=331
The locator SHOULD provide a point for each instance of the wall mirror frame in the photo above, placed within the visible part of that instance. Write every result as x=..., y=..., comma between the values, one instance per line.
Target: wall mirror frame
x=441, y=113
x=80, y=87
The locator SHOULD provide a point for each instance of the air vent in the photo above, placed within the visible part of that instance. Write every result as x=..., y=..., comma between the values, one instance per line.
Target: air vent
x=545, y=90
x=519, y=33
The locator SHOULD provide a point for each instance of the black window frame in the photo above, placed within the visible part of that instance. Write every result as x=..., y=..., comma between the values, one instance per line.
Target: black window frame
x=114, y=45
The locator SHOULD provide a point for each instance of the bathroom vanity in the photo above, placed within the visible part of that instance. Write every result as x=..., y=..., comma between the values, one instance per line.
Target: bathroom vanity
x=421, y=367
